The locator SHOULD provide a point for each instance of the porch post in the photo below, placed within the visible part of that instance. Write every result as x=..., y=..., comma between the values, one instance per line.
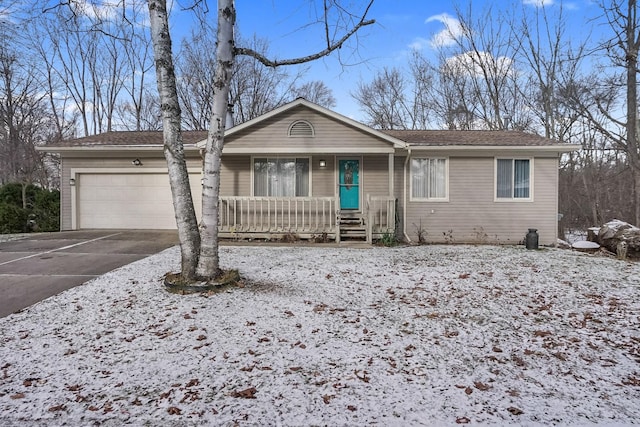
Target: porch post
x=391, y=183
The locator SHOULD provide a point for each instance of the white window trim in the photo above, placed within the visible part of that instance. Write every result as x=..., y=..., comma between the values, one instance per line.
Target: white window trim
x=446, y=184
x=495, y=181
x=267, y=156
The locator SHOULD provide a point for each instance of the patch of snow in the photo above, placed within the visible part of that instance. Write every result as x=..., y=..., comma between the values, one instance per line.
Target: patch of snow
x=575, y=235
x=616, y=224
x=585, y=244
x=13, y=237
x=336, y=336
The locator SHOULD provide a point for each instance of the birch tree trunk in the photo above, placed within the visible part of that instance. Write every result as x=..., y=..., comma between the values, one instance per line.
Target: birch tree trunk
x=209, y=263
x=172, y=137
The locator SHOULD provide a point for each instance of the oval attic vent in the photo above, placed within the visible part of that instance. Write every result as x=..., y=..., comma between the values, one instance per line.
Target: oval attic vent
x=301, y=128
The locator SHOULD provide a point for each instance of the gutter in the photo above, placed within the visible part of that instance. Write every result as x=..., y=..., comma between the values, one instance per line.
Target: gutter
x=404, y=197
x=555, y=148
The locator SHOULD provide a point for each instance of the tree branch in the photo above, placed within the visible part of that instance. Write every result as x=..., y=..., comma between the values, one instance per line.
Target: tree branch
x=330, y=47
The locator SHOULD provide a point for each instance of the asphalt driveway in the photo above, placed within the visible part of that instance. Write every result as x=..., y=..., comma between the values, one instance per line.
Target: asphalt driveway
x=40, y=266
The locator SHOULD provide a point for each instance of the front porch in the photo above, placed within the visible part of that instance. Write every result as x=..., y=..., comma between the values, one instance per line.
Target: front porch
x=315, y=218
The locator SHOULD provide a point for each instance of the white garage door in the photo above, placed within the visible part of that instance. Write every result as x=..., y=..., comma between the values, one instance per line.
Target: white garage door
x=135, y=201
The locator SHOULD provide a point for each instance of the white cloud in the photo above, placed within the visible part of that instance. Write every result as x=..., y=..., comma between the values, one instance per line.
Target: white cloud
x=452, y=30
x=419, y=43
x=102, y=11
x=537, y=3
x=475, y=63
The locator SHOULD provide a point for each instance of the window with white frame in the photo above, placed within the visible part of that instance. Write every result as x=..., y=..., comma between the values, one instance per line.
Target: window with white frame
x=513, y=178
x=281, y=177
x=428, y=178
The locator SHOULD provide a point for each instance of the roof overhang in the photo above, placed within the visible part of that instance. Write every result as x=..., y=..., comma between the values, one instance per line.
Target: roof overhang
x=110, y=148
x=305, y=150
x=554, y=148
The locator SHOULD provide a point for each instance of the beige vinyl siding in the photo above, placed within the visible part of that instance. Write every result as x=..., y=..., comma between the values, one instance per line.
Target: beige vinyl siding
x=65, y=196
x=235, y=176
x=474, y=215
x=375, y=175
x=398, y=184
x=324, y=179
x=330, y=135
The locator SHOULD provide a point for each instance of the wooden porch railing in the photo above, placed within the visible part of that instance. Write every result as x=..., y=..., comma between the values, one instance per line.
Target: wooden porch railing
x=304, y=216
x=264, y=217
x=381, y=216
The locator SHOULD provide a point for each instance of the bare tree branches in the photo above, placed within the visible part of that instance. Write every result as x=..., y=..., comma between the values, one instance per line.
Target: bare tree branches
x=332, y=45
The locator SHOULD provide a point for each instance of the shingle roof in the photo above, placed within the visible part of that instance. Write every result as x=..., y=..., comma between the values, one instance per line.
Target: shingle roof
x=128, y=138
x=500, y=138
x=413, y=137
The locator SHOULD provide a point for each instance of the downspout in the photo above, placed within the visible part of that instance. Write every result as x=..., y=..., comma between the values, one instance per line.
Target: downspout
x=404, y=197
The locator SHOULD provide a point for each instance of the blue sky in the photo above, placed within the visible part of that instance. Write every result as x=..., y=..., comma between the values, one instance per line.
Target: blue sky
x=400, y=26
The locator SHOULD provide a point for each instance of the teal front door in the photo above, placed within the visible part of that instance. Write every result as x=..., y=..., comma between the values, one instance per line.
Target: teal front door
x=349, y=182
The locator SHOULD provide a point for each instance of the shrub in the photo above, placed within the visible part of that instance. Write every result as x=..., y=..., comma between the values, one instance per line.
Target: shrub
x=39, y=212
x=388, y=239
x=13, y=219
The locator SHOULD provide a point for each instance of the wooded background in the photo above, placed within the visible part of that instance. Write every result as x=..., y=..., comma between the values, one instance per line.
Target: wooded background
x=68, y=71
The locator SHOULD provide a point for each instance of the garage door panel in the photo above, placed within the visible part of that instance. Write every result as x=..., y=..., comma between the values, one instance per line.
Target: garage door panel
x=140, y=200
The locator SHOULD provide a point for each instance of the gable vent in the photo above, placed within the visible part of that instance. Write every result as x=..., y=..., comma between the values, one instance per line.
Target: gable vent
x=301, y=128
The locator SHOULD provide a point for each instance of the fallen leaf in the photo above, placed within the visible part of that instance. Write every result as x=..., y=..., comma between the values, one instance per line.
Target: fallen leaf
x=248, y=393
x=482, y=387
x=468, y=390
x=327, y=398
x=17, y=396
x=515, y=411
x=560, y=356
x=464, y=276
x=497, y=349
x=172, y=410
x=193, y=382
x=295, y=368
x=57, y=408
x=363, y=376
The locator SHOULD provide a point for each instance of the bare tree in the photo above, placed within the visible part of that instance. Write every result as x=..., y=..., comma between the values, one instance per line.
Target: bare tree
x=140, y=105
x=551, y=64
x=317, y=92
x=480, y=66
x=24, y=121
x=200, y=250
x=384, y=100
x=256, y=88
x=609, y=100
x=196, y=67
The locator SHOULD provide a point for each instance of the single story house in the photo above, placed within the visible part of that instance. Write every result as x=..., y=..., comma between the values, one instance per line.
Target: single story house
x=305, y=170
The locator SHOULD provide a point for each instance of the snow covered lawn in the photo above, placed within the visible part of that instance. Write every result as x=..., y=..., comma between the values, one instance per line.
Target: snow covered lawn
x=335, y=336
